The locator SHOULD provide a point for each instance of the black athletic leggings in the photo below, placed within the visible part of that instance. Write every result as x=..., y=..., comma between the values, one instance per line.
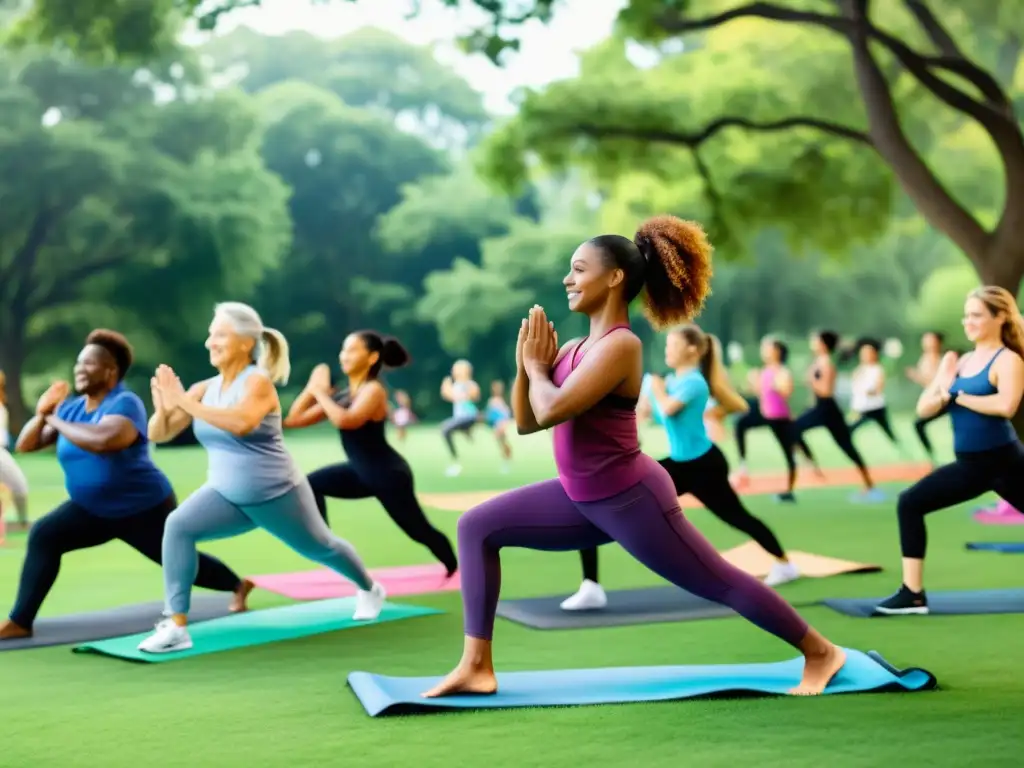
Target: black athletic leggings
x=879, y=416
x=972, y=474
x=919, y=426
x=70, y=527
x=753, y=419
x=393, y=487
x=825, y=413
x=707, y=479
x=457, y=424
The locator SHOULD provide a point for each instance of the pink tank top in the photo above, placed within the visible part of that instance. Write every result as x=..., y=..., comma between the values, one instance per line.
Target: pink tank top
x=598, y=452
x=773, y=404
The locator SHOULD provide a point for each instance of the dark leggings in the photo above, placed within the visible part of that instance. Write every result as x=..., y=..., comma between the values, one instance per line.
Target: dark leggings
x=707, y=479
x=456, y=424
x=972, y=474
x=70, y=527
x=879, y=416
x=786, y=436
x=753, y=419
x=393, y=487
x=825, y=413
x=645, y=520
x=919, y=427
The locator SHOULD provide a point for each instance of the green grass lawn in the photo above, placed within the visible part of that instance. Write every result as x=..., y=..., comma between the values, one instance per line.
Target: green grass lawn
x=287, y=704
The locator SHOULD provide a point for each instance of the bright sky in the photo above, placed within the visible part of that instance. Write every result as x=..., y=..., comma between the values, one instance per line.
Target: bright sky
x=548, y=52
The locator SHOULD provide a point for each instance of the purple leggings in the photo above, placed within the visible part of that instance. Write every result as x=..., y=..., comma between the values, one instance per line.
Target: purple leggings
x=645, y=520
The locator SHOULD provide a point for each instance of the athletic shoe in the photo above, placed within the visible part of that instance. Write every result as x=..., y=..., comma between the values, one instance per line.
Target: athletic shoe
x=781, y=573
x=904, y=602
x=872, y=496
x=590, y=597
x=169, y=637
x=370, y=603
x=785, y=498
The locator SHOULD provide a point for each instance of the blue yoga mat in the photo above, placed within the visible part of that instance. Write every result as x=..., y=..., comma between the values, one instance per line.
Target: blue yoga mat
x=862, y=673
x=960, y=603
x=1007, y=547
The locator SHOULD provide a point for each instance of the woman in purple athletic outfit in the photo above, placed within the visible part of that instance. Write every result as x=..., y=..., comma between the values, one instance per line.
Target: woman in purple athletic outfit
x=607, y=490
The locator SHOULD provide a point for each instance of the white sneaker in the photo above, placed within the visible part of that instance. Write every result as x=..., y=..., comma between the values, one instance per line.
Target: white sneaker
x=590, y=597
x=782, y=573
x=370, y=604
x=168, y=638
x=454, y=470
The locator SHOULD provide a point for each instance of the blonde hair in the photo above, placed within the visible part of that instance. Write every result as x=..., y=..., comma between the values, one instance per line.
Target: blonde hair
x=1000, y=301
x=271, y=349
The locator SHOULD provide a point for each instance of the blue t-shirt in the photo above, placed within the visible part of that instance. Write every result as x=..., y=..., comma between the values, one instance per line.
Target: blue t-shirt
x=117, y=484
x=687, y=436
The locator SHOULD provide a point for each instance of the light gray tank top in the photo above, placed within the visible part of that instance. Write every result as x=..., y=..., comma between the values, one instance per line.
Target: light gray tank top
x=250, y=469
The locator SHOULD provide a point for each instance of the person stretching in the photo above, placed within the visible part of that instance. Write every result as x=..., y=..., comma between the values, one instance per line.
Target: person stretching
x=825, y=412
x=498, y=416
x=11, y=475
x=923, y=374
x=773, y=385
x=374, y=469
x=462, y=392
x=115, y=490
x=402, y=416
x=981, y=392
x=607, y=489
x=868, y=398
x=252, y=481
x=696, y=465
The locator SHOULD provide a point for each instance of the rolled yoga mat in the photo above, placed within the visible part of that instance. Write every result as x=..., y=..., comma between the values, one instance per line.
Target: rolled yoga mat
x=270, y=625
x=629, y=606
x=115, y=622
x=862, y=673
x=1006, y=547
x=965, y=603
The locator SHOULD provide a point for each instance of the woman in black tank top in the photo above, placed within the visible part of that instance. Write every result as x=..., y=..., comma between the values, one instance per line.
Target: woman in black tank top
x=360, y=412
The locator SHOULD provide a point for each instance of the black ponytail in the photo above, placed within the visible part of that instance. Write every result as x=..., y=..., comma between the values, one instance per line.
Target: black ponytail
x=390, y=352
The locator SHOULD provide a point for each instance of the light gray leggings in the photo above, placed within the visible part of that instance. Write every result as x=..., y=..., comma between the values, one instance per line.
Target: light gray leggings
x=293, y=518
x=12, y=476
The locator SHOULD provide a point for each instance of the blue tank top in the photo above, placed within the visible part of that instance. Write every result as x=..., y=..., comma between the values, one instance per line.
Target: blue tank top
x=245, y=470
x=973, y=431
x=687, y=435
x=497, y=412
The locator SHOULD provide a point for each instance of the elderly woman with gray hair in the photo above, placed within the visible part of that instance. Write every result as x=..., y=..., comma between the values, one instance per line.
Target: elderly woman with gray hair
x=252, y=481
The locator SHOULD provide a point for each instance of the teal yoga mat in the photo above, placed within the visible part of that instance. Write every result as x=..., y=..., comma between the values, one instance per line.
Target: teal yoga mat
x=862, y=673
x=257, y=628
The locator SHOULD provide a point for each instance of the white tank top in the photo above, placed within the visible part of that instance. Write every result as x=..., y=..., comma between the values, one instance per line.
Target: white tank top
x=866, y=379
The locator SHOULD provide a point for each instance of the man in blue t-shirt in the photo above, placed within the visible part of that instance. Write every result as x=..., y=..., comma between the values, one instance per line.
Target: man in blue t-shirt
x=115, y=490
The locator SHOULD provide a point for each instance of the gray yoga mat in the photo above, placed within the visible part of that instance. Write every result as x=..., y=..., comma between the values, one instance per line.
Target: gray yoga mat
x=630, y=606
x=114, y=622
x=960, y=603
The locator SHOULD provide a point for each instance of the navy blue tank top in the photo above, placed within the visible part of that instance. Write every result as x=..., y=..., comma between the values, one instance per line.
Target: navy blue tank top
x=367, y=447
x=973, y=431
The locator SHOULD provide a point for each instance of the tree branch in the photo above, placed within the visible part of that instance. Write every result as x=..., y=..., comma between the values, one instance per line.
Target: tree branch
x=920, y=66
x=65, y=290
x=696, y=138
x=934, y=202
x=953, y=59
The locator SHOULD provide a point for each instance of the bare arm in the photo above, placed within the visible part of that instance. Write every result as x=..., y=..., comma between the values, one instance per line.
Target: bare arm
x=305, y=412
x=879, y=384
x=447, y=390
x=167, y=423
x=1009, y=383
x=728, y=399
x=369, y=401
x=36, y=435
x=258, y=400
x=610, y=362
x=935, y=397
x=109, y=435
x=784, y=382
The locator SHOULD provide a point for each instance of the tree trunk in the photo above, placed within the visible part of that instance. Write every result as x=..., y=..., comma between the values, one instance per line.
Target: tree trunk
x=12, y=359
x=1004, y=266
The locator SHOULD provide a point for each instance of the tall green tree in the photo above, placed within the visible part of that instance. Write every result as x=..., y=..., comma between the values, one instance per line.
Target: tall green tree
x=125, y=211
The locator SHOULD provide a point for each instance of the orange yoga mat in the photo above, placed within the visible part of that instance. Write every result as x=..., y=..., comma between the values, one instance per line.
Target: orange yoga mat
x=751, y=558
x=758, y=485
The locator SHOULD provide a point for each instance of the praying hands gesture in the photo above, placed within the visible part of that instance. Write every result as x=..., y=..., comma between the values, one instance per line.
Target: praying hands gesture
x=166, y=386
x=946, y=374
x=51, y=399
x=319, y=380
x=540, y=344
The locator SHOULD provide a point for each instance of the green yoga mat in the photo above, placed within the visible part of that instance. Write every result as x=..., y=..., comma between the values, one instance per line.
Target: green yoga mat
x=256, y=628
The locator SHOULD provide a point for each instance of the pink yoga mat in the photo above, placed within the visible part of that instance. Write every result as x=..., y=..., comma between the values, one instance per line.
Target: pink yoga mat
x=1001, y=514
x=324, y=584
